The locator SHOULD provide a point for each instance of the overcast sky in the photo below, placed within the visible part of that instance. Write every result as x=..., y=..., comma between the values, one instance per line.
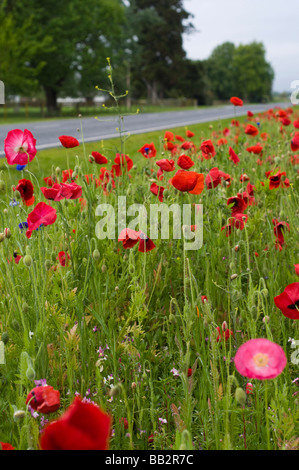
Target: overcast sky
x=273, y=22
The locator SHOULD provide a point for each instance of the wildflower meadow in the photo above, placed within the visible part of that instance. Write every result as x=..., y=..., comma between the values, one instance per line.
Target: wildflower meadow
x=115, y=337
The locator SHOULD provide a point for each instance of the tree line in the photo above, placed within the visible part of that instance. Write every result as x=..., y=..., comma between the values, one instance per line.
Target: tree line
x=59, y=48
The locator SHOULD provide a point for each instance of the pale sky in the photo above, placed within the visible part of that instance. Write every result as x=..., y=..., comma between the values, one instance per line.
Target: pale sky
x=275, y=23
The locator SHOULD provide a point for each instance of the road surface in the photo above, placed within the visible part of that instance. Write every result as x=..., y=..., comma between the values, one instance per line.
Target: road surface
x=47, y=132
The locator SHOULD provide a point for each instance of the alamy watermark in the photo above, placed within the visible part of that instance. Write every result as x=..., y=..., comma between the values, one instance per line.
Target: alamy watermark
x=2, y=93
x=157, y=221
x=295, y=94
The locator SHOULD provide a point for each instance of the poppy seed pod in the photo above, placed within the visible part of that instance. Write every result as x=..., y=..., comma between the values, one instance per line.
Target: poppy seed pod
x=96, y=255
x=240, y=396
x=5, y=337
x=2, y=237
x=30, y=373
x=27, y=260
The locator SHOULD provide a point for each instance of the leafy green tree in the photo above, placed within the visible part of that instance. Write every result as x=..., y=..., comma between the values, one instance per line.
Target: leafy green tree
x=81, y=34
x=18, y=47
x=196, y=84
x=219, y=68
x=159, y=62
x=253, y=75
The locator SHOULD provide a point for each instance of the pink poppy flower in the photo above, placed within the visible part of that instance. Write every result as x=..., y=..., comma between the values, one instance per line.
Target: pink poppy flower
x=42, y=214
x=19, y=147
x=260, y=359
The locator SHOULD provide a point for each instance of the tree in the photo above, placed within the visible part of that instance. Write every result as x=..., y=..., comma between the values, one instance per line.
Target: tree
x=81, y=34
x=253, y=75
x=159, y=65
x=196, y=84
x=219, y=67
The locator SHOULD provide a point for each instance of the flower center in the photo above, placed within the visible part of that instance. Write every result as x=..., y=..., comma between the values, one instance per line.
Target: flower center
x=261, y=360
x=22, y=149
x=294, y=306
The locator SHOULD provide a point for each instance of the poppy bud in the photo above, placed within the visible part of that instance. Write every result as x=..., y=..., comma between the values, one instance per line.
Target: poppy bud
x=116, y=288
x=115, y=391
x=224, y=326
x=2, y=185
x=58, y=171
x=30, y=373
x=131, y=269
x=27, y=260
x=266, y=319
x=236, y=248
x=5, y=211
x=19, y=414
x=5, y=337
x=109, y=186
x=47, y=264
x=124, y=421
x=104, y=268
x=171, y=318
x=25, y=307
x=7, y=233
x=234, y=276
x=240, y=396
x=265, y=292
x=2, y=237
x=165, y=193
x=134, y=385
x=96, y=255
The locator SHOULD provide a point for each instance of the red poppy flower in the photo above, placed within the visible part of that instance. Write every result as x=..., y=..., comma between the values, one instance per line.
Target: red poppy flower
x=188, y=181
x=42, y=214
x=288, y=301
x=180, y=138
x=296, y=124
x=221, y=142
x=207, y=149
x=251, y=130
x=129, y=238
x=275, y=180
x=148, y=150
x=63, y=258
x=256, y=149
x=25, y=188
x=84, y=426
x=189, y=373
x=236, y=101
x=238, y=205
x=248, y=195
x=168, y=136
x=49, y=181
x=68, y=141
x=185, y=162
x=99, y=158
x=223, y=334
x=145, y=243
x=44, y=399
x=295, y=143
x=122, y=163
x=285, y=121
x=66, y=175
x=166, y=165
x=6, y=446
x=233, y=156
x=189, y=134
x=250, y=114
x=125, y=422
x=188, y=145
x=214, y=178
x=296, y=269
x=157, y=191
x=279, y=227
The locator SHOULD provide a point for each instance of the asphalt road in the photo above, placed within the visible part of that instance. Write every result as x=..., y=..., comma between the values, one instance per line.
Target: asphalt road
x=47, y=132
